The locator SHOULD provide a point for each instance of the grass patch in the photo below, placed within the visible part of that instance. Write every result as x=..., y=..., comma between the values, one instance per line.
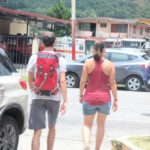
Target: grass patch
x=141, y=142
x=121, y=85
x=25, y=78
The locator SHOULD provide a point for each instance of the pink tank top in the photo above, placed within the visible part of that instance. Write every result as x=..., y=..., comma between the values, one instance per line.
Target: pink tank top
x=97, y=91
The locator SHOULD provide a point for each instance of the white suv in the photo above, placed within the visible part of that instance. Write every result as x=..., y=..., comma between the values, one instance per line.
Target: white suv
x=13, y=104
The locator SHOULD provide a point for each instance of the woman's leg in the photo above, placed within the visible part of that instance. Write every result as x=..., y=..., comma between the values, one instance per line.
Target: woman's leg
x=86, y=130
x=100, y=129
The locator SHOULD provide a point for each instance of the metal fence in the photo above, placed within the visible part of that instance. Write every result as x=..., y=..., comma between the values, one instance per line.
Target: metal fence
x=18, y=48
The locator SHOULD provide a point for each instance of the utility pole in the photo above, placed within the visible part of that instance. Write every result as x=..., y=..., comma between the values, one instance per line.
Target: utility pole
x=73, y=28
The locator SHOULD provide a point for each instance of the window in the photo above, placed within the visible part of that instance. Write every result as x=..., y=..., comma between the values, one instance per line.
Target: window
x=6, y=67
x=122, y=28
x=130, y=44
x=117, y=57
x=106, y=55
x=81, y=47
x=147, y=30
x=141, y=31
x=146, y=57
x=84, y=26
x=109, y=44
x=103, y=25
x=132, y=57
x=84, y=59
x=134, y=29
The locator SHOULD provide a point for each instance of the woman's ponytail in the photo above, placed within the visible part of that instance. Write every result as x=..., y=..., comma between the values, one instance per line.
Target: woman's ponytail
x=98, y=47
x=97, y=57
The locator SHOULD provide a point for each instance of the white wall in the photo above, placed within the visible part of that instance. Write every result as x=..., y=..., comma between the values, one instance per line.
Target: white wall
x=18, y=28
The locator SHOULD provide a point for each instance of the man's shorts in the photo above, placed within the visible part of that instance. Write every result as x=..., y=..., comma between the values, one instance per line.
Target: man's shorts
x=92, y=109
x=38, y=113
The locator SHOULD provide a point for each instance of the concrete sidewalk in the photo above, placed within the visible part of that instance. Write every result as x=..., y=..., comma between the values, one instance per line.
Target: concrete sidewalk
x=68, y=129
x=62, y=142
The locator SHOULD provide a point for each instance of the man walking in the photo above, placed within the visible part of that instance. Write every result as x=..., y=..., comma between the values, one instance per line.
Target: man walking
x=48, y=70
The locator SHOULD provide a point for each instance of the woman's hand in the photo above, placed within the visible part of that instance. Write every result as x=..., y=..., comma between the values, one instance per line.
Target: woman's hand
x=81, y=99
x=115, y=105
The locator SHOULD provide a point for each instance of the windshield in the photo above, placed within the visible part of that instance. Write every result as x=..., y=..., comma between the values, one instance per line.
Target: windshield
x=6, y=67
x=130, y=44
x=146, y=57
x=86, y=57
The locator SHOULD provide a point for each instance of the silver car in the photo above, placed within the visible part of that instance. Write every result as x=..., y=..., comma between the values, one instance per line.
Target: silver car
x=130, y=67
x=13, y=104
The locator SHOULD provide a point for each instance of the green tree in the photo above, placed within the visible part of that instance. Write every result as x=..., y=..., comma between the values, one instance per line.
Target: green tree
x=84, y=8
x=61, y=12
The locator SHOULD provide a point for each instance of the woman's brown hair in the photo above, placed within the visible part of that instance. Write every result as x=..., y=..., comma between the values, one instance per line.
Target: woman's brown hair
x=98, y=47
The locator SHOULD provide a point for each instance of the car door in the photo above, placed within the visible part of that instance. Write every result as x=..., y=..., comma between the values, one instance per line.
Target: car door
x=120, y=61
x=6, y=70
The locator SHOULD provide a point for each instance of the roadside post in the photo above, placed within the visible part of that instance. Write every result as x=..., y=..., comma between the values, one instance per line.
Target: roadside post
x=73, y=28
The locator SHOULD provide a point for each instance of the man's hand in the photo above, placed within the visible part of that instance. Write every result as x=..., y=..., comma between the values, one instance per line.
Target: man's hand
x=63, y=108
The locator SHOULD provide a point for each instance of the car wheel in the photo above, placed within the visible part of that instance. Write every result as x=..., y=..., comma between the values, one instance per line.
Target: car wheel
x=147, y=89
x=133, y=83
x=72, y=80
x=9, y=133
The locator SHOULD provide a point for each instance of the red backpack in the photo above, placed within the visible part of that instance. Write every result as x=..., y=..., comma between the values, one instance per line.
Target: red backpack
x=46, y=76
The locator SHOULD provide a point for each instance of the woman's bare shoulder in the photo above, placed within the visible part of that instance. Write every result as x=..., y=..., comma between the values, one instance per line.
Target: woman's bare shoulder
x=88, y=61
x=108, y=62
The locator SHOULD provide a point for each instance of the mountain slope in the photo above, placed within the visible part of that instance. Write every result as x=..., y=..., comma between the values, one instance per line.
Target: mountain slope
x=88, y=8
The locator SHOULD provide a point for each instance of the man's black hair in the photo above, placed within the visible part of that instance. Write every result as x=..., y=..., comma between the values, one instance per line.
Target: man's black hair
x=49, y=39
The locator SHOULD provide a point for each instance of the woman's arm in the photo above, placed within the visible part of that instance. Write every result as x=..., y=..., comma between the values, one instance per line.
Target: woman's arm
x=113, y=87
x=83, y=81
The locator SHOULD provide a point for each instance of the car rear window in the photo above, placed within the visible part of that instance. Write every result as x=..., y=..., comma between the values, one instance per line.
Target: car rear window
x=146, y=57
x=84, y=59
x=117, y=57
x=6, y=67
x=132, y=57
x=106, y=55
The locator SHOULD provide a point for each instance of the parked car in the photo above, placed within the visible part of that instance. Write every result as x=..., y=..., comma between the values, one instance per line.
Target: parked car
x=13, y=104
x=130, y=67
x=128, y=49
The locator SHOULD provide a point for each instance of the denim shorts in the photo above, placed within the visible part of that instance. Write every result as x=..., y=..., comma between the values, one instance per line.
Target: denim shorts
x=92, y=109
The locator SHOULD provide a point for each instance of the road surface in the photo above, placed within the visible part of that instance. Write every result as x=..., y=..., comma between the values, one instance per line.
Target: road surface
x=132, y=118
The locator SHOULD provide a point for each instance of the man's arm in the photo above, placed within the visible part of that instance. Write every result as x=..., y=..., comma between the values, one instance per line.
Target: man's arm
x=63, y=89
x=30, y=68
x=30, y=79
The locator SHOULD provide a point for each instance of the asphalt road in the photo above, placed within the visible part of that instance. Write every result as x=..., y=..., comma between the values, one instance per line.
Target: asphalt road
x=132, y=118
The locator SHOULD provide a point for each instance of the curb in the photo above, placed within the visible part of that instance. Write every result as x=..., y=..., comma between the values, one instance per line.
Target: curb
x=123, y=144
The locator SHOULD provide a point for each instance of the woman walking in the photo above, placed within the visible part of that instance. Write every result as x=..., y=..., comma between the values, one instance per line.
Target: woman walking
x=97, y=98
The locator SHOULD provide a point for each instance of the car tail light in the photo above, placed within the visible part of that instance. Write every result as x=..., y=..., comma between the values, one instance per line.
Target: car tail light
x=145, y=65
x=23, y=84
